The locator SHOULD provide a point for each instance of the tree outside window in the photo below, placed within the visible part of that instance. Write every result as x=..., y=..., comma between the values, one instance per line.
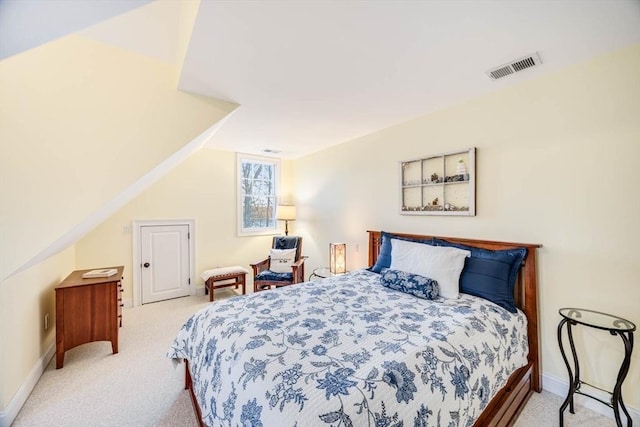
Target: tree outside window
x=257, y=194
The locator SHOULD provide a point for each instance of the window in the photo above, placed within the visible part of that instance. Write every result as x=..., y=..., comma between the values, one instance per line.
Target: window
x=258, y=181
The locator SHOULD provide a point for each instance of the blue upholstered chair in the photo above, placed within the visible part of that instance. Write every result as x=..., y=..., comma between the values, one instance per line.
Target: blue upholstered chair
x=264, y=278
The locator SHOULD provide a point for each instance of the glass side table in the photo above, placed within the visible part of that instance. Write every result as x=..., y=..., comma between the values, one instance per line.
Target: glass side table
x=323, y=273
x=615, y=326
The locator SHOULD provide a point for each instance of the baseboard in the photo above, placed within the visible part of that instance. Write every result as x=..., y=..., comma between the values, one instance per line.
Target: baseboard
x=11, y=412
x=561, y=387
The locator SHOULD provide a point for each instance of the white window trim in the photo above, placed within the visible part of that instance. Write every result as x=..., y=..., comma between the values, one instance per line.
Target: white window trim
x=239, y=202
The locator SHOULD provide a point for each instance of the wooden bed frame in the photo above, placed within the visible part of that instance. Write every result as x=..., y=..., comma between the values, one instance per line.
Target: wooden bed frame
x=505, y=407
x=507, y=404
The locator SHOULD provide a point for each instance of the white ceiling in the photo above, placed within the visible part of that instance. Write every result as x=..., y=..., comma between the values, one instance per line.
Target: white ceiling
x=311, y=74
x=25, y=24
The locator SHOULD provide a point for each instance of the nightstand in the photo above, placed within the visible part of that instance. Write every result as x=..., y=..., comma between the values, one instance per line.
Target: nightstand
x=615, y=326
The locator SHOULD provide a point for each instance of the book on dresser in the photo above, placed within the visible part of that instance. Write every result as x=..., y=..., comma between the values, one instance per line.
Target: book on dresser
x=105, y=272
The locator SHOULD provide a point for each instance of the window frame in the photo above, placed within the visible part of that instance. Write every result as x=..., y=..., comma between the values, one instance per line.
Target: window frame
x=271, y=161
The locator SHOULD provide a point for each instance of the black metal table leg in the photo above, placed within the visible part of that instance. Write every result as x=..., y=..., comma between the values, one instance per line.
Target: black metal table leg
x=616, y=401
x=574, y=375
x=615, y=326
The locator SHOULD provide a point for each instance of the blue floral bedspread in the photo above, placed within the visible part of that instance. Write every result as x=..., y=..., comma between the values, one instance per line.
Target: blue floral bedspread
x=346, y=351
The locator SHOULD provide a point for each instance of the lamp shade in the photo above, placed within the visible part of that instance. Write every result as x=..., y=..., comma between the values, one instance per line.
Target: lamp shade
x=286, y=213
x=338, y=258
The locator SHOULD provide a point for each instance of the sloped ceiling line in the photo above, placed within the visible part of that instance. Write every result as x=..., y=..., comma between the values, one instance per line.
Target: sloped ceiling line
x=135, y=189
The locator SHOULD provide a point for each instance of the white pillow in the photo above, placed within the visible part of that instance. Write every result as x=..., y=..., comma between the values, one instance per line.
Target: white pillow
x=440, y=263
x=282, y=260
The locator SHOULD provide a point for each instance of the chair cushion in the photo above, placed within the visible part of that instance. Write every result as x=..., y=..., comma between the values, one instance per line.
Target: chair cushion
x=222, y=271
x=273, y=276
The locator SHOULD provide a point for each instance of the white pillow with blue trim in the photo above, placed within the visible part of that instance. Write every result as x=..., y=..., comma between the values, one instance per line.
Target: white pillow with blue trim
x=440, y=263
x=282, y=260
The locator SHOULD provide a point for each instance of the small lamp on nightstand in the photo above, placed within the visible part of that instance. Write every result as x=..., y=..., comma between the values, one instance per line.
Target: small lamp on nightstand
x=338, y=258
x=286, y=213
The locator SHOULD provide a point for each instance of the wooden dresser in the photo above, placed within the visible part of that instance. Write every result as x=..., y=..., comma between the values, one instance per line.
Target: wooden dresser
x=87, y=310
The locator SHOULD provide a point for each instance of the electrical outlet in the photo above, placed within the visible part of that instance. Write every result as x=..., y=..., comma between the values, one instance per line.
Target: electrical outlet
x=46, y=321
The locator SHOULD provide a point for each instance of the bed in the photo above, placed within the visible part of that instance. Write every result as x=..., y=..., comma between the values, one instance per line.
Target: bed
x=347, y=351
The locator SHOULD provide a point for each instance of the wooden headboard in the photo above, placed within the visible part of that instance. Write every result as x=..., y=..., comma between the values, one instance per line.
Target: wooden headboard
x=525, y=292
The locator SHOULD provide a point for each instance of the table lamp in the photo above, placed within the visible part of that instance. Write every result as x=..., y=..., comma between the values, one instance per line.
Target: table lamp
x=286, y=213
x=338, y=258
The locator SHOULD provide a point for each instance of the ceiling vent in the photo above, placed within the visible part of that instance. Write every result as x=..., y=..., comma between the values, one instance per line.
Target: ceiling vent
x=515, y=66
x=271, y=151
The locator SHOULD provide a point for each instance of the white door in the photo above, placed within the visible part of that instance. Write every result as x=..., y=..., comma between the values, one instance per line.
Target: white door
x=164, y=262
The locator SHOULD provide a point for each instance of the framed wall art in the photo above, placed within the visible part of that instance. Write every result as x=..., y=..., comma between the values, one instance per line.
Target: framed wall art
x=441, y=184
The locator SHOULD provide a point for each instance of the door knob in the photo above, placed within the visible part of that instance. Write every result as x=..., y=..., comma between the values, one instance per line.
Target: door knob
x=146, y=265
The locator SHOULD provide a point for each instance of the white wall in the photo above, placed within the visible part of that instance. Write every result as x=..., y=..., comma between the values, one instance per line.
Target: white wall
x=557, y=164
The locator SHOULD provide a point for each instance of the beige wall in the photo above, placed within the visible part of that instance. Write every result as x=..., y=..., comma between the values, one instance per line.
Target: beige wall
x=557, y=164
x=202, y=188
x=80, y=121
x=25, y=298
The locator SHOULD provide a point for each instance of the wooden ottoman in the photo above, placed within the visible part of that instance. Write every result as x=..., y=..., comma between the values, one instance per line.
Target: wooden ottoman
x=224, y=277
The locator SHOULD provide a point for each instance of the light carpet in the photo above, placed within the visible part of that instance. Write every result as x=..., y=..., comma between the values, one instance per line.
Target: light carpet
x=139, y=386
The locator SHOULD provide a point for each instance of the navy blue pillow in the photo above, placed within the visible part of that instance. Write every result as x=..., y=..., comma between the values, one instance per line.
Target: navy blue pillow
x=490, y=274
x=384, y=257
x=488, y=279
x=409, y=283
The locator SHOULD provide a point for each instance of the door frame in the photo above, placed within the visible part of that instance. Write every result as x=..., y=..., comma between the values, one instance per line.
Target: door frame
x=137, y=232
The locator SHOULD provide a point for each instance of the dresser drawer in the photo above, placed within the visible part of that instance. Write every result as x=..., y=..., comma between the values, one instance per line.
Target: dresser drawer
x=120, y=292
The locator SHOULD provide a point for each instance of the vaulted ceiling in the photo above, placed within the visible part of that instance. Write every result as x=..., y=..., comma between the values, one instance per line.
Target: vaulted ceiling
x=306, y=74
x=312, y=74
